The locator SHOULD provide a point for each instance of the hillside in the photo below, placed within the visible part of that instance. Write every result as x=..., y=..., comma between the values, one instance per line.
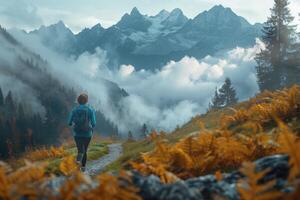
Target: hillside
x=202, y=158
x=246, y=119
x=29, y=116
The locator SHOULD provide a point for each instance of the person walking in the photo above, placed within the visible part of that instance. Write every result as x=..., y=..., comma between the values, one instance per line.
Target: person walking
x=83, y=120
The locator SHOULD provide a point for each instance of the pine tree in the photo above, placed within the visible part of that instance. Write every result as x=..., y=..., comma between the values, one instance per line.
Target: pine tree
x=144, y=131
x=277, y=36
x=1, y=97
x=216, y=102
x=9, y=103
x=21, y=113
x=225, y=96
x=227, y=93
x=130, y=136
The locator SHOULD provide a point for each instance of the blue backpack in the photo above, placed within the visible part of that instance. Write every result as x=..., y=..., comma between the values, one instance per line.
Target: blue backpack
x=81, y=120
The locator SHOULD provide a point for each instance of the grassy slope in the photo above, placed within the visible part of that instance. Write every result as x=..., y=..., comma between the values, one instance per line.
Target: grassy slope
x=132, y=150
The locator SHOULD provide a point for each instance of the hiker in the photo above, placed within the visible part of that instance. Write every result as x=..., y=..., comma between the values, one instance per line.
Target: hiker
x=84, y=120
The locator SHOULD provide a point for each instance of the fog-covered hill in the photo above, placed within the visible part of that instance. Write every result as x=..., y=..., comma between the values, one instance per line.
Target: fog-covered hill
x=35, y=101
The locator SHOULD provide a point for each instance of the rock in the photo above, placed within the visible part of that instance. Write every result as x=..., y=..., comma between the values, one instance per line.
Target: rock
x=149, y=186
x=178, y=191
x=204, y=187
x=277, y=164
x=54, y=184
x=207, y=187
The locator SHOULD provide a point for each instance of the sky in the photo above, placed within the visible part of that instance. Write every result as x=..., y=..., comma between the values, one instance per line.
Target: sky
x=78, y=14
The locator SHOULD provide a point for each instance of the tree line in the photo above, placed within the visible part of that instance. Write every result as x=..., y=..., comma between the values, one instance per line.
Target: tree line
x=22, y=129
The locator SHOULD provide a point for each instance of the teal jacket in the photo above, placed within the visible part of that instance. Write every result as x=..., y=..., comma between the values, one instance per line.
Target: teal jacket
x=92, y=118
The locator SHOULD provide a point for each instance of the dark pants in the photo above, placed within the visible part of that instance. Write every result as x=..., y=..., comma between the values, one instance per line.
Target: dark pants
x=82, y=144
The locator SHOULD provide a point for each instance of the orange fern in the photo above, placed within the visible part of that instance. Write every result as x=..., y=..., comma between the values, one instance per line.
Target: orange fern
x=68, y=166
x=249, y=189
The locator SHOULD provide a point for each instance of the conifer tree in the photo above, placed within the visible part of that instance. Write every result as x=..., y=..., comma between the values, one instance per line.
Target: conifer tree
x=225, y=96
x=216, y=102
x=21, y=113
x=9, y=103
x=130, y=136
x=277, y=35
x=144, y=130
x=228, y=94
x=1, y=97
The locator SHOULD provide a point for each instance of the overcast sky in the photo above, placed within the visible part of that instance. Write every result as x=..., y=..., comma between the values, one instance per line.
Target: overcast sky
x=77, y=14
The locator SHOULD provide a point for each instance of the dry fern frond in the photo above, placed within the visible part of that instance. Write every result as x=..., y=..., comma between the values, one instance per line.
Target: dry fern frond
x=68, y=166
x=159, y=170
x=253, y=126
x=44, y=153
x=25, y=181
x=249, y=189
x=109, y=188
x=68, y=189
x=218, y=175
x=57, y=152
x=152, y=136
x=5, y=185
x=30, y=173
x=284, y=104
x=290, y=144
x=5, y=167
x=180, y=159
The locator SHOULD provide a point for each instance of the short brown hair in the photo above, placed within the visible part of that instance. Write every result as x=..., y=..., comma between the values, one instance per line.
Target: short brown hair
x=82, y=99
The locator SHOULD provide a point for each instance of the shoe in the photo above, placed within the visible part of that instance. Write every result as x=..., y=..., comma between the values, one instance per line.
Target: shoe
x=79, y=158
x=78, y=163
x=82, y=169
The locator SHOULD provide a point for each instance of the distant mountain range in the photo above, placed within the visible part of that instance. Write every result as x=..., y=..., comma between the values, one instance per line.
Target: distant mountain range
x=151, y=41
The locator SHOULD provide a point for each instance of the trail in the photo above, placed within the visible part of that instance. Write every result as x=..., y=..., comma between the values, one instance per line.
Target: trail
x=93, y=167
x=97, y=166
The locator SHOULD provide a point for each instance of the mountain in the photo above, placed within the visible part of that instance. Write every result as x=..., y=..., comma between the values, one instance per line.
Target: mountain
x=57, y=36
x=217, y=29
x=175, y=19
x=86, y=38
x=151, y=41
x=133, y=22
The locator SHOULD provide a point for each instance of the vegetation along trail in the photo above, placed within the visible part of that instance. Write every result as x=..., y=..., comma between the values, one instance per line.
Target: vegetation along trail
x=97, y=166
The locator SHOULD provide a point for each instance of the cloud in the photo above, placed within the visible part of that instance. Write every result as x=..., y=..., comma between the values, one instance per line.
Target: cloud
x=171, y=96
x=20, y=14
x=126, y=70
x=163, y=99
x=192, y=79
x=22, y=92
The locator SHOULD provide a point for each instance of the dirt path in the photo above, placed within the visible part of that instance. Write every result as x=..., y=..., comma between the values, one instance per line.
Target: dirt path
x=97, y=166
x=93, y=167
